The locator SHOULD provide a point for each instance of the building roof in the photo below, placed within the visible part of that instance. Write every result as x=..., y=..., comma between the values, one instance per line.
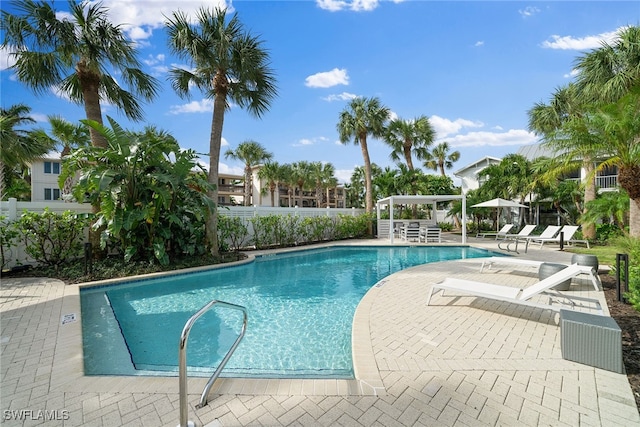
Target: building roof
x=535, y=151
x=482, y=162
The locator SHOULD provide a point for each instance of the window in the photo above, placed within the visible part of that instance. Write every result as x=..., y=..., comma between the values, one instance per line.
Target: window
x=52, y=194
x=52, y=167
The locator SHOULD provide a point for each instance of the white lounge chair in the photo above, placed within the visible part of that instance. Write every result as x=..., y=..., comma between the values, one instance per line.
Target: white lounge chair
x=500, y=233
x=548, y=233
x=522, y=296
x=566, y=233
x=584, y=269
x=511, y=239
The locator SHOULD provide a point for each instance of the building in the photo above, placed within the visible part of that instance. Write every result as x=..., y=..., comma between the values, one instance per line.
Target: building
x=230, y=189
x=469, y=174
x=44, y=178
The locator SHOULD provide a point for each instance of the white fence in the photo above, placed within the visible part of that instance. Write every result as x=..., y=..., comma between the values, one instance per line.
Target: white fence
x=12, y=210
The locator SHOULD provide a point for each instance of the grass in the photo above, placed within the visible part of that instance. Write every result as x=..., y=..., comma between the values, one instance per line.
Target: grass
x=606, y=253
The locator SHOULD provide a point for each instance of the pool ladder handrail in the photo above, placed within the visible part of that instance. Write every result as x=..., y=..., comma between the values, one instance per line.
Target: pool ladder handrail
x=182, y=359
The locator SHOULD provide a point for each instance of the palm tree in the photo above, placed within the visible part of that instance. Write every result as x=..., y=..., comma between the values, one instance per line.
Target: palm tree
x=407, y=137
x=301, y=173
x=610, y=76
x=227, y=64
x=361, y=118
x=288, y=179
x=272, y=172
x=547, y=120
x=322, y=175
x=252, y=153
x=74, y=54
x=441, y=159
x=18, y=147
x=608, y=73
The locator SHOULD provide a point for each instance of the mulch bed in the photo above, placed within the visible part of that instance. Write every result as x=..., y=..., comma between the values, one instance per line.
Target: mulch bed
x=629, y=321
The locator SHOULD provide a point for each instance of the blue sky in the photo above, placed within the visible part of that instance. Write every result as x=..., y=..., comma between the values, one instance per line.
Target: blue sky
x=474, y=68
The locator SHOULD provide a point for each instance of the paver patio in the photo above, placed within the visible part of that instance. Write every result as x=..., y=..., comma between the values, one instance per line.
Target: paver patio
x=461, y=361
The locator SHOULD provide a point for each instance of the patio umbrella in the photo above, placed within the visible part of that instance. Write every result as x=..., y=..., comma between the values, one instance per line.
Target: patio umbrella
x=499, y=203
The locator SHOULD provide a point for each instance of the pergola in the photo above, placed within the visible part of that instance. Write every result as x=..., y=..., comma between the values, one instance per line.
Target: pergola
x=422, y=200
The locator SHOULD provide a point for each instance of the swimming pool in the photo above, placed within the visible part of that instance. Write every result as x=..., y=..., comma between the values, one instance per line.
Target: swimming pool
x=300, y=306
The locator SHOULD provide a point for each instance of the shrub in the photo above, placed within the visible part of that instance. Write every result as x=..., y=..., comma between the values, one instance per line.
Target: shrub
x=445, y=226
x=53, y=239
x=631, y=246
x=232, y=233
x=8, y=236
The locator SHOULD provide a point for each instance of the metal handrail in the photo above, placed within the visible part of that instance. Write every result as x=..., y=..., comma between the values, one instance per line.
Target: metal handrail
x=182, y=359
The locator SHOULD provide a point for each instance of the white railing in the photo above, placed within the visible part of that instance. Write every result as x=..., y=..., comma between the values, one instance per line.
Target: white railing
x=608, y=181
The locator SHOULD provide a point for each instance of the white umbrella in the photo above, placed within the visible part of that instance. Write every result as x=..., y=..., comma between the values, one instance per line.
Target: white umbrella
x=499, y=203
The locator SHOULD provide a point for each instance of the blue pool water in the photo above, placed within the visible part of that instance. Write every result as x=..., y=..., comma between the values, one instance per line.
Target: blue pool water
x=300, y=308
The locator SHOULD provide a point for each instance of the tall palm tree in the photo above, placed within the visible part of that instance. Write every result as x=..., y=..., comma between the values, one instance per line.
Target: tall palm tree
x=363, y=117
x=441, y=159
x=288, y=179
x=227, y=64
x=75, y=54
x=251, y=153
x=272, y=172
x=567, y=105
x=408, y=138
x=17, y=146
x=610, y=76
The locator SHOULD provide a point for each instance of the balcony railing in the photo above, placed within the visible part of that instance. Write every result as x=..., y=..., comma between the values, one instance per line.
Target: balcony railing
x=608, y=181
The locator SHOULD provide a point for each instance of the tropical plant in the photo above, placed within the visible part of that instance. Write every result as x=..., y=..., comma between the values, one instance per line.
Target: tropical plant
x=74, y=52
x=322, y=176
x=440, y=158
x=301, y=174
x=52, y=239
x=273, y=173
x=610, y=207
x=153, y=200
x=363, y=117
x=9, y=235
x=251, y=153
x=408, y=138
x=18, y=146
x=559, y=124
x=227, y=64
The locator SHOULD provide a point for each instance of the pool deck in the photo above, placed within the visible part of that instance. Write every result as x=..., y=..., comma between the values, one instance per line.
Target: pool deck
x=462, y=361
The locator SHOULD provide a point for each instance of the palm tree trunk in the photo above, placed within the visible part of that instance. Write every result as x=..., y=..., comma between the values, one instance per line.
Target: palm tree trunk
x=589, y=230
x=368, y=185
x=634, y=218
x=90, y=83
x=1, y=180
x=247, y=185
x=211, y=226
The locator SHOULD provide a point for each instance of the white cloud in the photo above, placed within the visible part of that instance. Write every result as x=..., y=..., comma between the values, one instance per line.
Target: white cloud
x=343, y=175
x=353, y=5
x=479, y=43
x=139, y=19
x=344, y=96
x=337, y=76
x=493, y=139
x=202, y=106
x=588, y=42
x=6, y=59
x=310, y=141
x=529, y=11
x=444, y=127
x=40, y=118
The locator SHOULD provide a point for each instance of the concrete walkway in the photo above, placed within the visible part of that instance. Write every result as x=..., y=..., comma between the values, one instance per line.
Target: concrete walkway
x=458, y=362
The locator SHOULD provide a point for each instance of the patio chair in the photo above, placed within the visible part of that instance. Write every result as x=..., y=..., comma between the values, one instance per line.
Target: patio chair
x=500, y=233
x=521, y=296
x=548, y=233
x=430, y=234
x=410, y=231
x=567, y=233
x=584, y=269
